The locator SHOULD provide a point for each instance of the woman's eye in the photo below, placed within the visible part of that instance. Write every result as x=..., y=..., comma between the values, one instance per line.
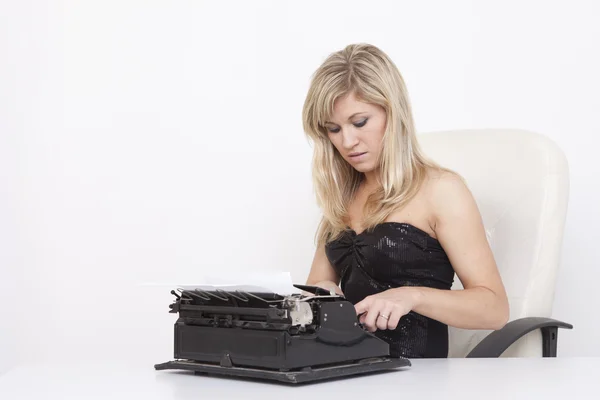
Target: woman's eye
x=361, y=123
x=358, y=125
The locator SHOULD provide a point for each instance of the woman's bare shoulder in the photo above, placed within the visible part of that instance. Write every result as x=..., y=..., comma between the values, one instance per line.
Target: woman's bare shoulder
x=435, y=176
x=441, y=182
x=447, y=193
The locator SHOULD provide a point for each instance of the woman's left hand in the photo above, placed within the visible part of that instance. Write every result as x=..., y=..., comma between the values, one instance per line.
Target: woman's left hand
x=384, y=310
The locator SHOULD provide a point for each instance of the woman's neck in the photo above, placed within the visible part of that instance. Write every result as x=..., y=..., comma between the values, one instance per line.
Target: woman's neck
x=370, y=180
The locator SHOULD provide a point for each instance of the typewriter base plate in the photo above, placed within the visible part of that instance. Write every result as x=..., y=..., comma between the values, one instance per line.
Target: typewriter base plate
x=304, y=375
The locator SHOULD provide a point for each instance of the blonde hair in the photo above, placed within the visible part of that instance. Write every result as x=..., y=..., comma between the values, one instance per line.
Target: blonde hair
x=374, y=78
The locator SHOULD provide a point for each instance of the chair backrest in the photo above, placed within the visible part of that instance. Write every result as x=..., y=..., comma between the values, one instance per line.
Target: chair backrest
x=520, y=181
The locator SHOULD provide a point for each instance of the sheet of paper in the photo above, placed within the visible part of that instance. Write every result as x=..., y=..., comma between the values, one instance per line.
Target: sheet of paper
x=277, y=282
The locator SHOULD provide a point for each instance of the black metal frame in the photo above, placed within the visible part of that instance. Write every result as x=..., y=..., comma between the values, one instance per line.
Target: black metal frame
x=304, y=375
x=496, y=343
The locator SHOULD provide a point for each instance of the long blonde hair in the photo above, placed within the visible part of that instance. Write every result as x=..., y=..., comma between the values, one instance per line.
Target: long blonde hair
x=368, y=72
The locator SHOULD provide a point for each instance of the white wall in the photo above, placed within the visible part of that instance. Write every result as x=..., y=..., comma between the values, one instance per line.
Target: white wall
x=11, y=284
x=151, y=141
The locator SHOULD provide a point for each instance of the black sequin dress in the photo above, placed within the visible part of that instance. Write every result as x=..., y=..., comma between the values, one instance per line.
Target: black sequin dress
x=395, y=254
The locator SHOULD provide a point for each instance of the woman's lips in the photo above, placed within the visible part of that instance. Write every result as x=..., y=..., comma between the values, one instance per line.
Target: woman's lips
x=357, y=156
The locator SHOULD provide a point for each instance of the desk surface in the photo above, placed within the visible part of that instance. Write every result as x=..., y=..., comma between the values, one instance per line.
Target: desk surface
x=503, y=378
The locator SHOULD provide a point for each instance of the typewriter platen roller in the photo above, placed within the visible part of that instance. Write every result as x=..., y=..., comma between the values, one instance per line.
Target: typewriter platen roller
x=293, y=338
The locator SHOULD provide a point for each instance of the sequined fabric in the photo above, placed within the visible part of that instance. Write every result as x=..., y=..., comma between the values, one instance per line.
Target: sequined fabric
x=391, y=255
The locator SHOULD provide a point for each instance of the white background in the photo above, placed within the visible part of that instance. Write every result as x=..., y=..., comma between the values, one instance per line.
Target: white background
x=152, y=141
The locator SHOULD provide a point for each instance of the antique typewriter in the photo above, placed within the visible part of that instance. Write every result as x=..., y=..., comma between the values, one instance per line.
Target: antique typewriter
x=295, y=338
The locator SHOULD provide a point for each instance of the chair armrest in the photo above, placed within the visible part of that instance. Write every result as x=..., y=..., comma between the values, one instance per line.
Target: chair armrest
x=494, y=344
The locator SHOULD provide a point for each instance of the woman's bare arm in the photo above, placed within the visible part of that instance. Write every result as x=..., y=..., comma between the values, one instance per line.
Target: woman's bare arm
x=483, y=303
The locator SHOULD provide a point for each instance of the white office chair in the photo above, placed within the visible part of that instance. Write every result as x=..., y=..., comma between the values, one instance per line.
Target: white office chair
x=520, y=181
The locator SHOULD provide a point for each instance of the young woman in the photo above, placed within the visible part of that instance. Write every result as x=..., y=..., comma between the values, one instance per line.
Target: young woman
x=396, y=227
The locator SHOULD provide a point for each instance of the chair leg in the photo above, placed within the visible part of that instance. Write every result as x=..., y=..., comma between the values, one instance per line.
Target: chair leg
x=549, y=341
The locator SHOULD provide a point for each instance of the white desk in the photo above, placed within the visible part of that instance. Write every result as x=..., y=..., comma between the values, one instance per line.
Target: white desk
x=481, y=379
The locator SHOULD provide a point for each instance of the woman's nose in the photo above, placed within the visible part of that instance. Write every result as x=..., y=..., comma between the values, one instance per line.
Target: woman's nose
x=349, y=138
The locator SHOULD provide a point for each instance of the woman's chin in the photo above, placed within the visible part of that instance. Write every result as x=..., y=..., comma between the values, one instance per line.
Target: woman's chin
x=364, y=168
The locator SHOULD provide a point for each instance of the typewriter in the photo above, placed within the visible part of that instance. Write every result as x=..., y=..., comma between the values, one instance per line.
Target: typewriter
x=295, y=338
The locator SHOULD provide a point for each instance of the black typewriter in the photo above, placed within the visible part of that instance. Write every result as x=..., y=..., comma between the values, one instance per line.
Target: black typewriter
x=292, y=338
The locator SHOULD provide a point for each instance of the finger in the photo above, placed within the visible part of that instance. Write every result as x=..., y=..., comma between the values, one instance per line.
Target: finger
x=371, y=318
x=363, y=305
x=384, y=315
x=394, y=320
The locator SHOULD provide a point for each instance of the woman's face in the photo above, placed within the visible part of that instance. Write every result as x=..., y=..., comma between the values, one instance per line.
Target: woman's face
x=356, y=130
